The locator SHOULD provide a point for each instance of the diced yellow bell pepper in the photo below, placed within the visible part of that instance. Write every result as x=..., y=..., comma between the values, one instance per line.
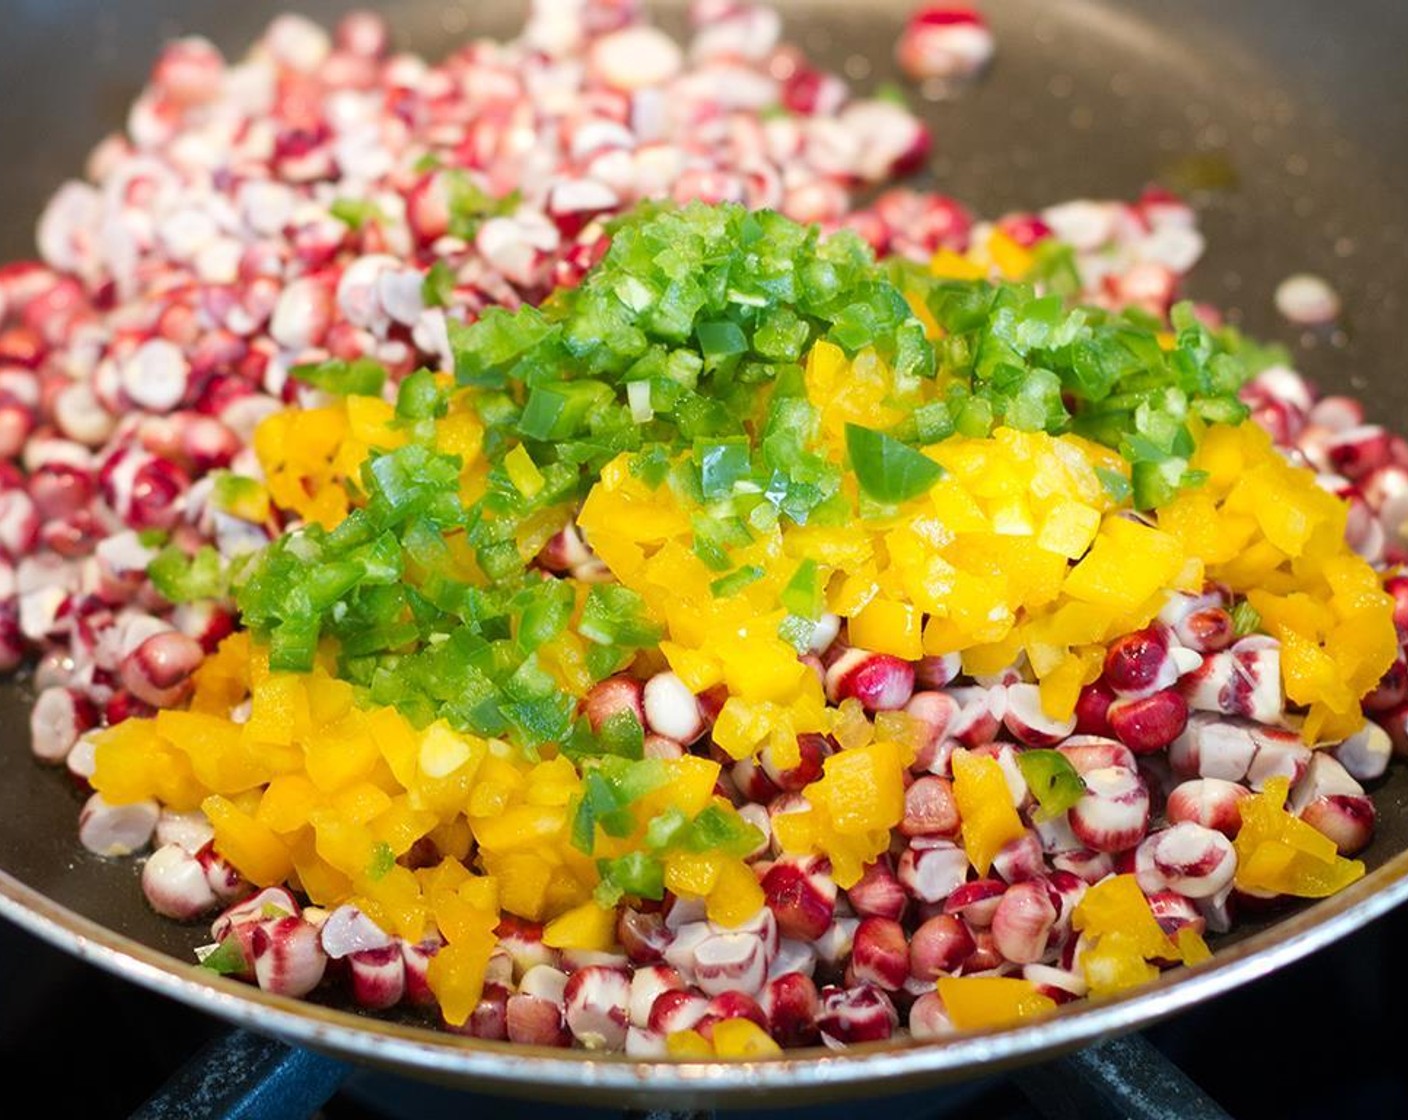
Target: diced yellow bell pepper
x=587, y=926
x=688, y=1046
x=862, y=789
x=796, y=832
x=698, y=669
x=1111, y=966
x=279, y=710
x=948, y=265
x=978, y=1003
x=525, y=882
x=1117, y=906
x=460, y=433
x=459, y=919
x=400, y=825
x=1281, y=854
x=850, y=726
x=1068, y=529
x=127, y=759
x=743, y=1039
x=456, y=976
x=251, y=847
x=336, y=760
x=761, y=668
x=443, y=751
x=988, y=818
x=323, y=883
x=1011, y=259
x=288, y=803
x=361, y=802
x=689, y=789
x=693, y=873
x=740, y=727
x=736, y=895
x=521, y=827
x=885, y=626
x=371, y=420
x=1191, y=946
x=1127, y=564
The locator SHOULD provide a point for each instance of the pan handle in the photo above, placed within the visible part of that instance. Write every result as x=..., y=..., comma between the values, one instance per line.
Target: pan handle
x=1125, y=1078
x=243, y=1076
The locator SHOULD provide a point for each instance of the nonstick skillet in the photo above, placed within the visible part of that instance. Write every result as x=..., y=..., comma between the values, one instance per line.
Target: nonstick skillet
x=1285, y=120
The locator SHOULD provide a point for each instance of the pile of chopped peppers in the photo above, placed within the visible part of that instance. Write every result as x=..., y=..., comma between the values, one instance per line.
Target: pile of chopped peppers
x=754, y=428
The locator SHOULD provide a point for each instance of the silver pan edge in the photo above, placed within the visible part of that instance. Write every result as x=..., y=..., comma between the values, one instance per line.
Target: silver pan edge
x=805, y=1075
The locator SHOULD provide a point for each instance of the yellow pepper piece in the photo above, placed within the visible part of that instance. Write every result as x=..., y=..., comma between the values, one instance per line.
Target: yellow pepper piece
x=459, y=919
x=761, y=668
x=740, y=727
x=128, y=758
x=736, y=895
x=525, y=882
x=1112, y=965
x=989, y=819
x=456, y=976
x=371, y=421
x=885, y=626
x=1060, y=684
x=1068, y=529
x=288, y=802
x=323, y=883
x=442, y=751
x=698, y=669
x=948, y=265
x=462, y=434
x=1124, y=936
x=1281, y=854
x=978, y=1003
x=394, y=902
x=742, y=1038
x=921, y=311
x=1013, y=261
x=587, y=926
x=862, y=789
x=250, y=846
x=1126, y=565
x=689, y=789
x=279, y=710
x=522, y=827
x=850, y=726
x=855, y=804
x=796, y=831
x=1116, y=906
x=692, y=873
x=1191, y=946
x=688, y=1045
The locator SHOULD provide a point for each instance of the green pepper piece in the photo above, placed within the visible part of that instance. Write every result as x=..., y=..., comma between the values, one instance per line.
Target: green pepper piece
x=1052, y=779
x=889, y=471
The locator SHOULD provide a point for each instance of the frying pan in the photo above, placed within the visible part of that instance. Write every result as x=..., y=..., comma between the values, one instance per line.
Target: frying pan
x=1288, y=121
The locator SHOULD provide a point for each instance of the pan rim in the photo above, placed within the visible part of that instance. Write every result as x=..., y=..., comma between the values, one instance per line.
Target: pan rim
x=534, y=1070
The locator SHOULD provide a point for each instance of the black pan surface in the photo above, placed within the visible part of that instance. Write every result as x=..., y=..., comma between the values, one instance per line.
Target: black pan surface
x=1288, y=121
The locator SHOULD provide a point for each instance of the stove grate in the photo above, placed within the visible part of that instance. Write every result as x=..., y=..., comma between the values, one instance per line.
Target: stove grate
x=242, y=1076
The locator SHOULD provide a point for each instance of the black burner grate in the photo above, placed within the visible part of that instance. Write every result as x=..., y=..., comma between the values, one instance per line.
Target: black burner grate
x=241, y=1076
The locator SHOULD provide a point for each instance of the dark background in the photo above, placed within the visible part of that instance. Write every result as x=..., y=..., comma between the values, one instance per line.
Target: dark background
x=1295, y=110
